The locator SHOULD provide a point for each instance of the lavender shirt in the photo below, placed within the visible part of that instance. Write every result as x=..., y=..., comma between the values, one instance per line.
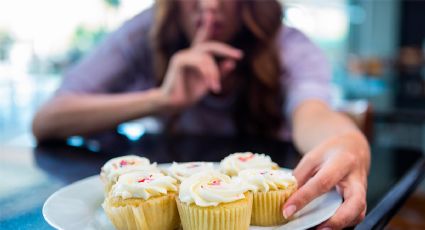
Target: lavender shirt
x=123, y=63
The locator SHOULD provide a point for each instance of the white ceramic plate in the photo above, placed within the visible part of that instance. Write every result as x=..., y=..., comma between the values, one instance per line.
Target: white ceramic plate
x=78, y=206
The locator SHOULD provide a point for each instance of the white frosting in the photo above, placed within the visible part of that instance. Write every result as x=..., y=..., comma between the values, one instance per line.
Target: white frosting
x=210, y=188
x=264, y=180
x=236, y=162
x=121, y=165
x=181, y=171
x=143, y=184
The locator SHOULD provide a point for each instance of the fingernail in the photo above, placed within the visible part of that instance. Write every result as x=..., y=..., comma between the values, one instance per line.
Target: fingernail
x=289, y=211
x=326, y=228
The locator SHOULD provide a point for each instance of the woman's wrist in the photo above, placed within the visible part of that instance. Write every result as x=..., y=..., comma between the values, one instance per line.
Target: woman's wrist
x=159, y=103
x=162, y=103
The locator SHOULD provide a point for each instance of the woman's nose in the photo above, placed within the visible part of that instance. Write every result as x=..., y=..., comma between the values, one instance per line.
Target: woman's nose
x=210, y=5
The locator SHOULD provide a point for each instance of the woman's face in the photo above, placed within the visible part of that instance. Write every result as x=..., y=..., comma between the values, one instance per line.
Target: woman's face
x=223, y=17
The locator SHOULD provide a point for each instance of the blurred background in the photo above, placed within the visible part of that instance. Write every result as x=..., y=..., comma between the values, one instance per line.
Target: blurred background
x=376, y=49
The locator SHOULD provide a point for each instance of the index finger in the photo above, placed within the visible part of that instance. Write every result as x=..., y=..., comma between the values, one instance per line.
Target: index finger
x=204, y=31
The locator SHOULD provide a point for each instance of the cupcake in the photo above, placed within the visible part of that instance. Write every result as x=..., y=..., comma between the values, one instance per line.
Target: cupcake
x=271, y=189
x=211, y=200
x=143, y=200
x=120, y=165
x=181, y=171
x=236, y=162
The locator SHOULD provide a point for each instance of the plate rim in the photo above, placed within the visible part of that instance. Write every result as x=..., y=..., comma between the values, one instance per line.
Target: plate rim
x=57, y=192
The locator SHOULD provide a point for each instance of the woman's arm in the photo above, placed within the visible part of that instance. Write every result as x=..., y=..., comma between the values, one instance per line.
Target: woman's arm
x=313, y=122
x=79, y=114
x=337, y=154
x=191, y=74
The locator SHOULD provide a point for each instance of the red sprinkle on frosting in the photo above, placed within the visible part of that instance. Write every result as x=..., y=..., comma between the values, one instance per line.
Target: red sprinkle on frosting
x=146, y=179
x=244, y=159
x=124, y=163
x=215, y=182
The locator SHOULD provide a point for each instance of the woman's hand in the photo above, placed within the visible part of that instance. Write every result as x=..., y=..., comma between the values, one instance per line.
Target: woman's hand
x=342, y=161
x=192, y=73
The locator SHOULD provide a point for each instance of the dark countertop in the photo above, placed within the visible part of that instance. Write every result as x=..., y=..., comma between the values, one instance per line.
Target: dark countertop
x=30, y=175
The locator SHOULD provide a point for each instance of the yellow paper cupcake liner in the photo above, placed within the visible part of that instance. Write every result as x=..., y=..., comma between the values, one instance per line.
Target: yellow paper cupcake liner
x=267, y=207
x=158, y=213
x=229, y=216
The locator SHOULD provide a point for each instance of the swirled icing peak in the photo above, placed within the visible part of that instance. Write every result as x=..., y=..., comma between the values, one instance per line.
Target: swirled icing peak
x=181, y=171
x=115, y=167
x=236, y=162
x=143, y=184
x=210, y=188
x=264, y=180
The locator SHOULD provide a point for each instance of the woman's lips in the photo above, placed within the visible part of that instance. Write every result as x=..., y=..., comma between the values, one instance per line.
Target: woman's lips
x=214, y=30
x=215, y=27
